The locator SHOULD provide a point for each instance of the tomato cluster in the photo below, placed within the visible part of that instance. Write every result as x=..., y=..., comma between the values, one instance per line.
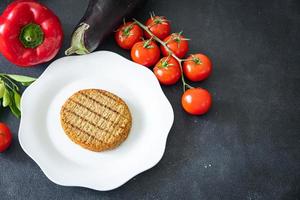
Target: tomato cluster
x=168, y=69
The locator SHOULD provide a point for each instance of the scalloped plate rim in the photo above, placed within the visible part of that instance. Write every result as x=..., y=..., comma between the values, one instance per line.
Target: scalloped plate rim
x=45, y=169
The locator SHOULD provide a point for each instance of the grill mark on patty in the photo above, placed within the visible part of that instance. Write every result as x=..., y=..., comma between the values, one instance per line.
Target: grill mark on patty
x=92, y=123
x=108, y=96
x=100, y=103
x=85, y=132
x=114, y=123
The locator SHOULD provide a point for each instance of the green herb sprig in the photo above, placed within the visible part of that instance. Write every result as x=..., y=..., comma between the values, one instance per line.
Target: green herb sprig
x=10, y=93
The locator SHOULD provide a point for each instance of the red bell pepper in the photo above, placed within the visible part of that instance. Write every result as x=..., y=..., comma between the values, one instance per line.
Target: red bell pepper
x=30, y=33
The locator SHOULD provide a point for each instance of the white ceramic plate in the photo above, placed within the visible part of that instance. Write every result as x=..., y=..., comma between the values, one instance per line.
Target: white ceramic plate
x=65, y=163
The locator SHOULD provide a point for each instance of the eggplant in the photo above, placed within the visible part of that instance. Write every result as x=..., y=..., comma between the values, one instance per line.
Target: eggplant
x=100, y=19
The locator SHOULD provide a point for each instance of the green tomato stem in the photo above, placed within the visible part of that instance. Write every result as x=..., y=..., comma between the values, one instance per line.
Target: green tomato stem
x=184, y=84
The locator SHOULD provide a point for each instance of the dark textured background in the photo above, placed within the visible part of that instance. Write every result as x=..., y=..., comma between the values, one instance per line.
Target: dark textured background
x=246, y=147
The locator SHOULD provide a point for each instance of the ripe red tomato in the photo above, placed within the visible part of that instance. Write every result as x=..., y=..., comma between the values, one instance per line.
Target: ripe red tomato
x=159, y=26
x=167, y=70
x=128, y=34
x=145, y=53
x=197, y=67
x=5, y=137
x=177, y=43
x=196, y=101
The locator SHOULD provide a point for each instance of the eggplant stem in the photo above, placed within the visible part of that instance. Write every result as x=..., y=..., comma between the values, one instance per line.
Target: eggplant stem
x=77, y=43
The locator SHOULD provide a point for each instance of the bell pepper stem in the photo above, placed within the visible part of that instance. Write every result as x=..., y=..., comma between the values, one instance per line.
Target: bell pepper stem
x=77, y=43
x=31, y=35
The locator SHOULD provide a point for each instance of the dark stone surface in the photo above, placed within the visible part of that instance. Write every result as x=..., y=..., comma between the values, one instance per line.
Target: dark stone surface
x=246, y=147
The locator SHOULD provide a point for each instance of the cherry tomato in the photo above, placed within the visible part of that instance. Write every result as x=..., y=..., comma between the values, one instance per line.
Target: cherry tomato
x=197, y=67
x=159, y=26
x=167, y=70
x=5, y=137
x=128, y=34
x=177, y=43
x=145, y=53
x=196, y=101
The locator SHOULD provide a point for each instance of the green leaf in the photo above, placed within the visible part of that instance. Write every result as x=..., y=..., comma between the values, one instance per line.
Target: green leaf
x=14, y=103
x=15, y=111
x=2, y=88
x=6, y=98
x=21, y=79
x=26, y=83
x=17, y=99
x=9, y=91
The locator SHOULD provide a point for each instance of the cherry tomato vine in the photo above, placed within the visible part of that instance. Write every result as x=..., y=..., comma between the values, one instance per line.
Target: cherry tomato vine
x=179, y=60
x=172, y=66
